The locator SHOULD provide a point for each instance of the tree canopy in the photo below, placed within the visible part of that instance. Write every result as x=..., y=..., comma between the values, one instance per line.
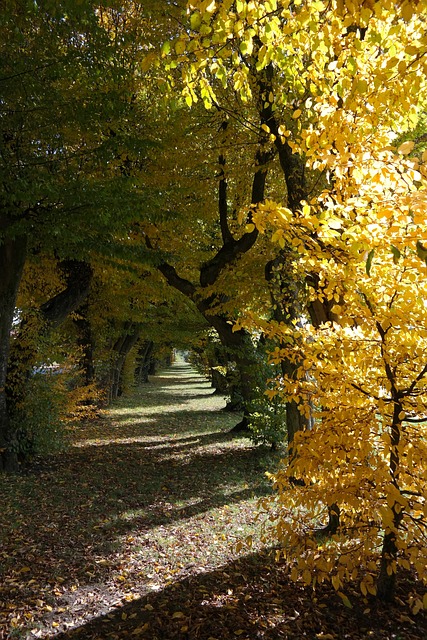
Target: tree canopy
x=258, y=168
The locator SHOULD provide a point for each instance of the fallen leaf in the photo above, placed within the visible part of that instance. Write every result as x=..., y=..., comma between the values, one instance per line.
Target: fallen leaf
x=139, y=630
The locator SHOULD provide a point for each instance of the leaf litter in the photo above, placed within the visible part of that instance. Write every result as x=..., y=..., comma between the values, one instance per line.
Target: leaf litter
x=133, y=531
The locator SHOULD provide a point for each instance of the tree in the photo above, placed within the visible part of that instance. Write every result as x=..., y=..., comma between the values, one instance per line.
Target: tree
x=342, y=79
x=199, y=249
x=67, y=80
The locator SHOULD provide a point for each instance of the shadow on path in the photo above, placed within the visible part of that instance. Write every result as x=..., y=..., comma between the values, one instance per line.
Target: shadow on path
x=143, y=492
x=130, y=535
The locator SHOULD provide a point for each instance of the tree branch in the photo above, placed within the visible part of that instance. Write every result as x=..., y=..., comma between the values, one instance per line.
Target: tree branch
x=233, y=248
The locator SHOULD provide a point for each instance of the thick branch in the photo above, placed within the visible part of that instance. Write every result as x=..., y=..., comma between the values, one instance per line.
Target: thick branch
x=58, y=308
x=174, y=280
x=291, y=164
x=222, y=204
x=233, y=248
x=222, y=196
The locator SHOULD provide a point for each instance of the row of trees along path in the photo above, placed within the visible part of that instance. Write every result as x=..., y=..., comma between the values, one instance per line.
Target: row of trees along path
x=132, y=532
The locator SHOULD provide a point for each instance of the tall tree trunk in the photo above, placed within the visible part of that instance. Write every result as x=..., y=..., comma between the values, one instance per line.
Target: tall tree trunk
x=86, y=342
x=121, y=349
x=285, y=294
x=12, y=260
x=144, y=356
x=387, y=575
x=239, y=346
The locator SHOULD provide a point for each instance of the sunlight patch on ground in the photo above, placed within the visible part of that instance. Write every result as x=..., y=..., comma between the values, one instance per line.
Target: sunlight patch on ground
x=152, y=493
x=102, y=442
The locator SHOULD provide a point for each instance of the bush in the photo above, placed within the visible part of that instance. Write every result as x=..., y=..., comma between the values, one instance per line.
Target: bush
x=267, y=420
x=39, y=422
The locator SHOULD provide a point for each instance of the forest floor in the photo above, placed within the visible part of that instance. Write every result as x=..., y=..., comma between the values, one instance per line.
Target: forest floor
x=131, y=533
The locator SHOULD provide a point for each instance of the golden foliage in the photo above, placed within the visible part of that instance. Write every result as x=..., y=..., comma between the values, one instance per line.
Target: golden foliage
x=346, y=77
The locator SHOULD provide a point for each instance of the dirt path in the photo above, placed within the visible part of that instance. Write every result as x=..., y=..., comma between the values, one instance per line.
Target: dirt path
x=130, y=534
x=155, y=491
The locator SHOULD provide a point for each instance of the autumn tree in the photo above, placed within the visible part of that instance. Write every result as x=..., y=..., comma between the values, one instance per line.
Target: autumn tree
x=68, y=81
x=224, y=58
x=342, y=79
x=204, y=183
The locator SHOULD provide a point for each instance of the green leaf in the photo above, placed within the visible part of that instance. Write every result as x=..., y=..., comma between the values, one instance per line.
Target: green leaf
x=369, y=261
x=195, y=20
x=166, y=47
x=345, y=600
x=396, y=254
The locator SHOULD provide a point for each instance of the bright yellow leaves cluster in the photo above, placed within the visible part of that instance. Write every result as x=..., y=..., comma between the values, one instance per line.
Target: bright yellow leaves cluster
x=361, y=378
x=346, y=77
x=361, y=55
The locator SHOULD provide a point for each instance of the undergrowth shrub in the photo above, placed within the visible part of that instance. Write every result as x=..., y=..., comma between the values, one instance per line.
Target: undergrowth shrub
x=40, y=421
x=267, y=420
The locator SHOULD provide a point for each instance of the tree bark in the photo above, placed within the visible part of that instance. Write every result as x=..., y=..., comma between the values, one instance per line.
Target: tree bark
x=387, y=574
x=121, y=349
x=145, y=352
x=12, y=260
x=86, y=342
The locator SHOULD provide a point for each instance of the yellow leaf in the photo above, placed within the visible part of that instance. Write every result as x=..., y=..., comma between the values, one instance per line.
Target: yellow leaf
x=306, y=576
x=147, y=61
x=407, y=10
x=178, y=614
x=406, y=147
x=296, y=114
x=417, y=606
x=362, y=86
x=335, y=582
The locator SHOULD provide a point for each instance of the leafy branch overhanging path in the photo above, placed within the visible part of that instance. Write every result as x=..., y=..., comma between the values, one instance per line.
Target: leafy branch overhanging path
x=130, y=534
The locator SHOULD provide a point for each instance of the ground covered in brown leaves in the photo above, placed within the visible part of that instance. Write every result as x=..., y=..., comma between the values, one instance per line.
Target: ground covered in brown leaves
x=130, y=534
